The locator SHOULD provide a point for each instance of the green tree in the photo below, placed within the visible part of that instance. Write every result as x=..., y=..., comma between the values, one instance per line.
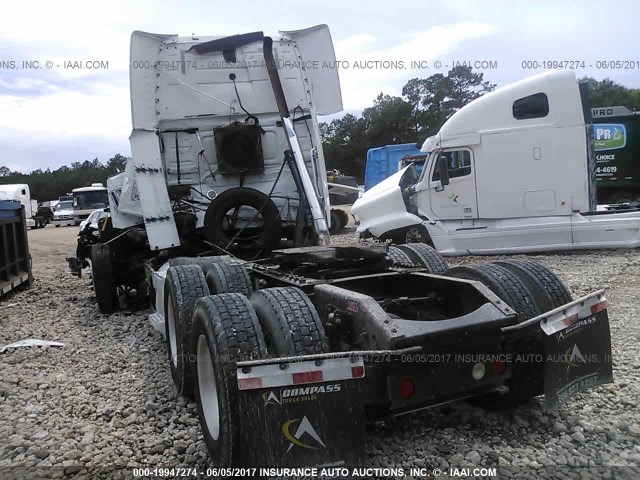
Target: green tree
x=607, y=93
x=425, y=105
x=434, y=99
x=388, y=121
x=49, y=185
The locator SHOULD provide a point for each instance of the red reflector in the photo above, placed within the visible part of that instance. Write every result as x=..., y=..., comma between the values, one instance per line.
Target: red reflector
x=498, y=367
x=249, y=383
x=570, y=320
x=357, y=372
x=598, y=307
x=405, y=389
x=307, y=377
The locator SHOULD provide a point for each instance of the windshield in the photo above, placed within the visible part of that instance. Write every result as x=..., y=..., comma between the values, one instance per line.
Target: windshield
x=90, y=199
x=64, y=206
x=426, y=164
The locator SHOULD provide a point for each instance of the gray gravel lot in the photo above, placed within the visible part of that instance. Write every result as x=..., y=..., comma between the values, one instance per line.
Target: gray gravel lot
x=106, y=399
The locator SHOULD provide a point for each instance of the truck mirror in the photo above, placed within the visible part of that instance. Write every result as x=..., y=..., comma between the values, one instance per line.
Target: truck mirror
x=443, y=170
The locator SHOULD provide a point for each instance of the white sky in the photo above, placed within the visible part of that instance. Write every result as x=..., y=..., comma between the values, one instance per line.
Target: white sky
x=53, y=117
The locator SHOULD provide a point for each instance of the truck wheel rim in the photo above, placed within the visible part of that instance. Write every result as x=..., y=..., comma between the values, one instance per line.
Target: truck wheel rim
x=172, y=335
x=414, y=235
x=207, y=388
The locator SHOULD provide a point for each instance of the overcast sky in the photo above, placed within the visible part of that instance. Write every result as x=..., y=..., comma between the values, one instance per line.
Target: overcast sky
x=53, y=117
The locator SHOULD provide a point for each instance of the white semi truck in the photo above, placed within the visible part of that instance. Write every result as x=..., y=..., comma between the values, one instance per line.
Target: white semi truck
x=513, y=171
x=288, y=344
x=22, y=193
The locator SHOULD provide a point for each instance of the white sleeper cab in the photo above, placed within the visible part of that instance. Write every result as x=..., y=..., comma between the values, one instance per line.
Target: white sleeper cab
x=511, y=172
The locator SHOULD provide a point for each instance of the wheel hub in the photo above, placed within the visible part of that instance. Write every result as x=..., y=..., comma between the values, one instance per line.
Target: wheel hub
x=172, y=334
x=207, y=388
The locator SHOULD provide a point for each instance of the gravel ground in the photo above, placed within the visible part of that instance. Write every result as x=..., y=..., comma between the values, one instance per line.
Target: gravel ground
x=106, y=399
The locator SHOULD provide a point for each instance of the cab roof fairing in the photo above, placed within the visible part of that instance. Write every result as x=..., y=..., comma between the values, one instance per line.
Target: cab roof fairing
x=493, y=111
x=174, y=92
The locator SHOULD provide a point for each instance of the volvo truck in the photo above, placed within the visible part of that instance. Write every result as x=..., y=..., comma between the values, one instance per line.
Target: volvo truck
x=289, y=344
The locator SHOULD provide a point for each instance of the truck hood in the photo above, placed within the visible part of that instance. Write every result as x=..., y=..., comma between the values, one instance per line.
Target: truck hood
x=382, y=208
x=65, y=211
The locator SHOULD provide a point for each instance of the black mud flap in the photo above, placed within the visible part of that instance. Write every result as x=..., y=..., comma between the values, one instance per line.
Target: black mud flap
x=304, y=411
x=577, y=350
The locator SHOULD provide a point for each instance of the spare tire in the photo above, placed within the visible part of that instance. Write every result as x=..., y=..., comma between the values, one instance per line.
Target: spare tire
x=235, y=198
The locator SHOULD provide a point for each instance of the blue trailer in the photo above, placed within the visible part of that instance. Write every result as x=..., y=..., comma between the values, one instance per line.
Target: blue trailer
x=382, y=162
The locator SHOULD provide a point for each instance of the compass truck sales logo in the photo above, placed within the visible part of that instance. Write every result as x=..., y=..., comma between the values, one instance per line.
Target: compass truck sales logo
x=609, y=136
x=303, y=427
x=299, y=394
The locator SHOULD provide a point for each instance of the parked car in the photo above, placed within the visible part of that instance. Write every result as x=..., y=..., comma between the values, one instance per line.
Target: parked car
x=93, y=218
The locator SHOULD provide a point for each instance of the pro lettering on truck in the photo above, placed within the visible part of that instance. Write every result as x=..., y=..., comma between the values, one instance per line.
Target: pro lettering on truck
x=616, y=133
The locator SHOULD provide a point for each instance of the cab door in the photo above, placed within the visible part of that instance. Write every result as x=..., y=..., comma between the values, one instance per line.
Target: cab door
x=458, y=200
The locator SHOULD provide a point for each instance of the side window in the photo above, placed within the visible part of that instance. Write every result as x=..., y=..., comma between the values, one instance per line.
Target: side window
x=459, y=162
x=533, y=106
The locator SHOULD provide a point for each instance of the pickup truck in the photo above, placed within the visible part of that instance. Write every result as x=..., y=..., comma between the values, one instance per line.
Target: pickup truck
x=513, y=171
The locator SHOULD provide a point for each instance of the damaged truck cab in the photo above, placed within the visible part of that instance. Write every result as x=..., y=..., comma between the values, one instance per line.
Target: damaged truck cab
x=511, y=172
x=287, y=344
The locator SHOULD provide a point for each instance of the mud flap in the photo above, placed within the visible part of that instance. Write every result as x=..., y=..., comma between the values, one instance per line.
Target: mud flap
x=302, y=413
x=577, y=351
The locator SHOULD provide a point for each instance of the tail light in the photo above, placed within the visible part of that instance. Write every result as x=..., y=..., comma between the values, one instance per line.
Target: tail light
x=498, y=367
x=406, y=389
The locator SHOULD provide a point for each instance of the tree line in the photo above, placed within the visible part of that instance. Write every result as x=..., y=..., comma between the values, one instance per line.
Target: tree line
x=50, y=185
x=421, y=109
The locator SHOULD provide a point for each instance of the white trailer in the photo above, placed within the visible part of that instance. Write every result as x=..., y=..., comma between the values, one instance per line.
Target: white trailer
x=511, y=172
x=21, y=193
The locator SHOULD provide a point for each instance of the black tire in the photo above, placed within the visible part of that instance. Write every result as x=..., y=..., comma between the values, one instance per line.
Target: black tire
x=229, y=278
x=290, y=322
x=344, y=216
x=399, y=258
x=57, y=225
x=337, y=224
x=235, y=198
x=425, y=256
x=546, y=287
x=204, y=262
x=226, y=328
x=104, y=284
x=503, y=283
x=183, y=286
